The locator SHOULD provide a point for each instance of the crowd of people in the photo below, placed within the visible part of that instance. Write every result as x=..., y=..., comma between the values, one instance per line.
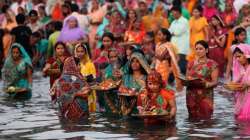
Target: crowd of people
x=138, y=52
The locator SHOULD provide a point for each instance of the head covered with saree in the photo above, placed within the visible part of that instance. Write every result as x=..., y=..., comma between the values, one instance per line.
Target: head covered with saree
x=142, y=60
x=72, y=64
x=237, y=67
x=69, y=33
x=155, y=78
x=86, y=56
x=11, y=71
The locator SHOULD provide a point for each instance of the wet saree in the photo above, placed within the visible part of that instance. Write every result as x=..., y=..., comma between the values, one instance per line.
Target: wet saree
x=159, y=103
x=200, y=99
x=128, y=103
x=66, y=87
x=241, y=75
x=15, y=75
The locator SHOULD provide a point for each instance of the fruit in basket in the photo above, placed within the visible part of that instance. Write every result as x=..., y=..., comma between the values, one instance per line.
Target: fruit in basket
x=11, y=89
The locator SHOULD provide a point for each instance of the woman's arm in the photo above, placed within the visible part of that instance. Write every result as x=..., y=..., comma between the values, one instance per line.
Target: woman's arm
x=221, y=41
x=229, y=63
x=206, y=31
x=172, y=104
x=29, y=76
x=214, y=77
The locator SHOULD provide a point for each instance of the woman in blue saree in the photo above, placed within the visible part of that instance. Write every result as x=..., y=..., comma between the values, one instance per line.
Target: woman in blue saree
x=17, y=73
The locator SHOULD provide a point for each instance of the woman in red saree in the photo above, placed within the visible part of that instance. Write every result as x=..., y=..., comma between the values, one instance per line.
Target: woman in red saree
x=217, y=42
x=71, y=91
x=54, y=65
x=203, y=73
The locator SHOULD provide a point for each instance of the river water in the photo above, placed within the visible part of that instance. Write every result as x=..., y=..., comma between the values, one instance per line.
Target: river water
x=37, y=118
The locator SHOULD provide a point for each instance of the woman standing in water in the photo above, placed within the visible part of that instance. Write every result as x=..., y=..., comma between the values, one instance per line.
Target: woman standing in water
x=87, y=70
x=203, y=73
x=71, y=91
x=133, y=82
x=17, y=72
x=54, y=65
x=156, y=98
x=240, y=38
x=165, y=61
x=241, y=66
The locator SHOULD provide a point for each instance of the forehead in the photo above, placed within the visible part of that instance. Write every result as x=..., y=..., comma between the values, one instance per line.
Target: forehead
x=113, y=53
x=80, y=48
x=199, y=46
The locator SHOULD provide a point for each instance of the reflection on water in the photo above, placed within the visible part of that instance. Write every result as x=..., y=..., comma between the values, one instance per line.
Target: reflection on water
x=38, y=119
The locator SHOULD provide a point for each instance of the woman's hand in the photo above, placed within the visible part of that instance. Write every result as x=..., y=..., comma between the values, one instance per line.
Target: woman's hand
x=83, y=92
x=243, y=87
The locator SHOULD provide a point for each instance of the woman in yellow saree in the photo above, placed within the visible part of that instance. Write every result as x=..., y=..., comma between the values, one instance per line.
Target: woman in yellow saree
x=87, y=69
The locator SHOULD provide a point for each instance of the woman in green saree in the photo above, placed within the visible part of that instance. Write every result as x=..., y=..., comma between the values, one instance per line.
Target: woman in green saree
x=17, y=73
x=108, y=100
x=132, y=83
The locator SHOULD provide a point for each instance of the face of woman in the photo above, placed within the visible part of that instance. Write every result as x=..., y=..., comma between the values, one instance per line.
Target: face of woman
x=214, y=21
x=128, y=52
x=60, y=50
x=107, y=42
x=113, y=56
x=241, y=37
x=135, y=64
x=95, y=4
x=228, y=7
x=160, y=36
x=16, y=55
x=116, y=17
x=80, y=52
x=200, y=51
x=241, y=58
x=154, y=87
x=132, y=14
x=72, y=23
x=196, y=13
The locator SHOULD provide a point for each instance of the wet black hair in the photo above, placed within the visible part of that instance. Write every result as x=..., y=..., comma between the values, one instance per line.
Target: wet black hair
x=166, y=33
x=20, y=18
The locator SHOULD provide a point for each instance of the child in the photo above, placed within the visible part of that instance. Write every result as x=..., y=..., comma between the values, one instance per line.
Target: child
x=155, y=98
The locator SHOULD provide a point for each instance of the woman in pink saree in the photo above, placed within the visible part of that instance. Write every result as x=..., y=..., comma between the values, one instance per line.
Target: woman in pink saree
x=241, y=72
